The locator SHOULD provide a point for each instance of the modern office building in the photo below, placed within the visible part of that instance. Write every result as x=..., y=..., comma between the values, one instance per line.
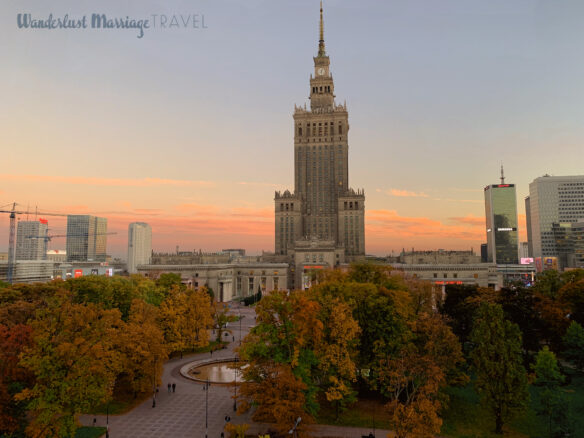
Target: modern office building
x=501, y=224
x=552, y=200
x=86, y=238
x=139, y=245
x=322, y=209
x=31, y=240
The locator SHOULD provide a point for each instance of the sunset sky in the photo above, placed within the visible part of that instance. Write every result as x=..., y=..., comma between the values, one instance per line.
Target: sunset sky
x=190, y=130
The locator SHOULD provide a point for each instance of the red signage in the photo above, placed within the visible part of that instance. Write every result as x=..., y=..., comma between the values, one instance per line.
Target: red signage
x=43, y=221
x=313, y=267
x=78, y=273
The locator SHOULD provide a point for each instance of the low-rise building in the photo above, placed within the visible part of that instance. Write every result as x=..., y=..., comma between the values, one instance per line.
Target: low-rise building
x=228, y=281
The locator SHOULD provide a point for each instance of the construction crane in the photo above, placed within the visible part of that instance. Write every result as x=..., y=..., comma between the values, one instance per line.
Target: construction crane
x=12, y=235
x=47, y=238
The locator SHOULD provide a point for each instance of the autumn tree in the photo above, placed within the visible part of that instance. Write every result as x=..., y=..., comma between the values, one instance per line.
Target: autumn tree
x=501, y=379
x=13, y=377
x=277, y=394
x=337, y=353
x=185, y=318
x=74, y=361
x=141, y=343
x=413, y=378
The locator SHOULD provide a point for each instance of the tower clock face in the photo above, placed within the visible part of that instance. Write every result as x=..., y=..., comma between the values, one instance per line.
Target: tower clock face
x=321, y=71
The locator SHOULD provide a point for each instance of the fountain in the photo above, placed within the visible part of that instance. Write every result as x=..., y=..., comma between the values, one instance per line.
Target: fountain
x=216, y=371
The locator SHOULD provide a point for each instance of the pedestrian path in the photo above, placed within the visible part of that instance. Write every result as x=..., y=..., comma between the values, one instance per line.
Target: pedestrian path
x=182, y=413
x=187, y=413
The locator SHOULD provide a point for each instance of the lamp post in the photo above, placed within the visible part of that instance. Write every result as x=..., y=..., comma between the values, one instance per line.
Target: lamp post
x=206, y=389
x=235, y=398
x=107, y=420
x=240, y=317
x=293, y=430
x=154, y=386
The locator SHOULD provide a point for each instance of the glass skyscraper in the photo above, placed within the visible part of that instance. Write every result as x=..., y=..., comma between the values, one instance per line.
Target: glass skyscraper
x=501, y=215
x=86, y=238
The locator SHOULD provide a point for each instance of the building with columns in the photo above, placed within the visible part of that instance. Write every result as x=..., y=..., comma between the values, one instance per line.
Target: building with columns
x=323, y=218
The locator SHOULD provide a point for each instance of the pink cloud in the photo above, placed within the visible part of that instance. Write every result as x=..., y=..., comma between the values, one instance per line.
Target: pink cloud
x=470, y=220
x=113, y=182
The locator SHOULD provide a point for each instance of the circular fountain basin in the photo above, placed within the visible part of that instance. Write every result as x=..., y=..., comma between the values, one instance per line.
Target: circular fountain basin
x=216, y=371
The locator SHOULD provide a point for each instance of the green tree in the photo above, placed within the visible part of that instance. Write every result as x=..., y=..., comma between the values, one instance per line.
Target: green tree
x=170, y=280
x=574, y=344
x=501, y=379
x=548, y=379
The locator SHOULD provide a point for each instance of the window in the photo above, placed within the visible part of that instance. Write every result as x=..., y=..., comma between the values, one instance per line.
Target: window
x=435, y=275
x=445, y=275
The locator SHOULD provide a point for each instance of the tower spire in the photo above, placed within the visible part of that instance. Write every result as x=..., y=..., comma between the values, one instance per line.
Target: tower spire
x=502, y=175
x=321, y=51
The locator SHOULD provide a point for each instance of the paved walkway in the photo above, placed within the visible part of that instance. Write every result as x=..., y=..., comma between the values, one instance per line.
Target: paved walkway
x=182, y=414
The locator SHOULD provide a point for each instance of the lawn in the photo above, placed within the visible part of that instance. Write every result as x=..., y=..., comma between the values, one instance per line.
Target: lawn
x=465, y=418
x=364, y=413
x=89, y=432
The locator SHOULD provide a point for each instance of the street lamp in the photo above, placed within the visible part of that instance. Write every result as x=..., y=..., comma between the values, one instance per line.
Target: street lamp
x=235, y=398
x=206, y=389
x=154, y=386
x=293, y=430
x=107, y=420
x=240, y=317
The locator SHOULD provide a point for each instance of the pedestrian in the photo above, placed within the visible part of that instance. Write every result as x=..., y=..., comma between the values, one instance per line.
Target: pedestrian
x=173, y=387
x=233, y=338
x=169, y=387
x=211, y=351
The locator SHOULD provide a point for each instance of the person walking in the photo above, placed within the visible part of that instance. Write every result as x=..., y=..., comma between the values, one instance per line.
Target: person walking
x=173, y=387
x=169, y=387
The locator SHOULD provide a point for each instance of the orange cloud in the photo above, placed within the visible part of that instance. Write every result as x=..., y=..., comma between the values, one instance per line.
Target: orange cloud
x=406, y=193
x=386, y=230
x=470, y=220
x=113, y=182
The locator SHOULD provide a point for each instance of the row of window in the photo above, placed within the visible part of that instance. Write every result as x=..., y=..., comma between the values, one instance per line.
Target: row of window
x=321, y=129
x=321, y=89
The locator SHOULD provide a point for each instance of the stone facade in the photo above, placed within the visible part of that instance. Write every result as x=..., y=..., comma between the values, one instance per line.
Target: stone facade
x=227, y=280
x=323, y=211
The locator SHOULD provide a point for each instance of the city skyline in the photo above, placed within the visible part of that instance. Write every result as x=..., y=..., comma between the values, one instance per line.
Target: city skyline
x=185, y=129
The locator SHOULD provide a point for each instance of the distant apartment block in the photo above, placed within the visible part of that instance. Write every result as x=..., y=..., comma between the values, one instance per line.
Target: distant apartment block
x=31, y=240
x=139, y=245
x=554, y=202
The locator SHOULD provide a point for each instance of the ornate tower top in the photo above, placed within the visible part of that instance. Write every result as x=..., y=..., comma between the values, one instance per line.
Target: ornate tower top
x=321, y=50
x=322, y=97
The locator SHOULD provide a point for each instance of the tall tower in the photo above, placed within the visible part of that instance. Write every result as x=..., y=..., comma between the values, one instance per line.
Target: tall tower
x=139, y=245
x=501, y=222
x=323, y=207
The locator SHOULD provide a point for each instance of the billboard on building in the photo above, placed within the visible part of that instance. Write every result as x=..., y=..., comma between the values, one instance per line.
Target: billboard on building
x=78, y=273
x=526, y=260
